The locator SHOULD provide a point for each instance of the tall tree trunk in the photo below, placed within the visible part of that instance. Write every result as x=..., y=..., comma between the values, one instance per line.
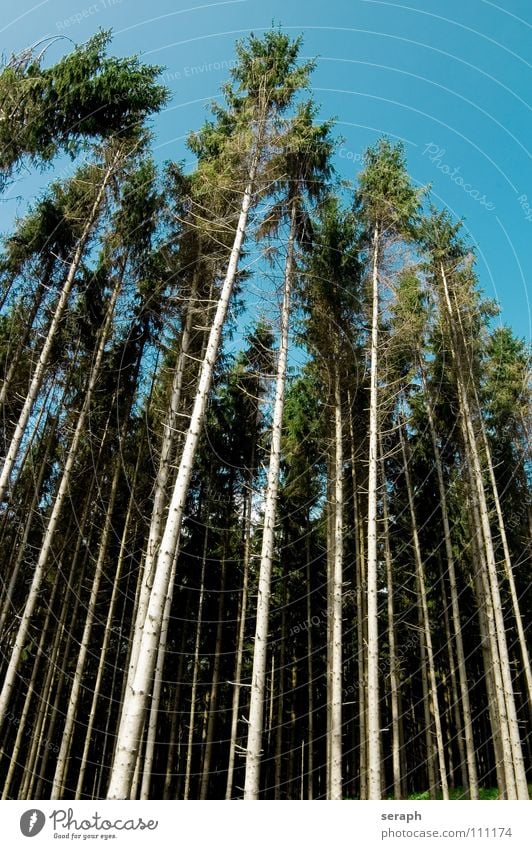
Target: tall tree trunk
x=68, y=730
x=426, y=621
x=453, y=702
x=281, y=676
x=509, y=569
x=310, y=676
x=516, y=763
x=335, y=787
x=195, y=668
x=32, y=687
x=471, y=447
x=457, y=628
x=22, y=547
x=394, y=671
x=60, y=498
x=499, y=730
x=237, y=682
x=40, y=369
x=160, y=498
x=129, y=731
x=149, y=753
x=360, y=584
x=174, y=731
x=258, y=678
x=373, y=701
x=213, y=700
x=107, y=632
x=58, y=666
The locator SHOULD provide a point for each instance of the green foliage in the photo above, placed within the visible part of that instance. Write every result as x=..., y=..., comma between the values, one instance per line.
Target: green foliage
x=86, y=96
x=267, y=69
x=385, y=194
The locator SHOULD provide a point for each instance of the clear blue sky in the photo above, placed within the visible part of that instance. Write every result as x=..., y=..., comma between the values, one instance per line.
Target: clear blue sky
x=452, y=80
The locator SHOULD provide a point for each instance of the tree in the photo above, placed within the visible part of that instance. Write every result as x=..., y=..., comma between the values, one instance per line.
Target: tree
x=452, y=277
x=265, y=79
x=305, y=164
x=86, y=96
x=388, y=205
x=332, y=300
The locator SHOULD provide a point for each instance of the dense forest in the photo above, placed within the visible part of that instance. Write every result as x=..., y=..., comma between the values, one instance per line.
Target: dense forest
x=265, y=511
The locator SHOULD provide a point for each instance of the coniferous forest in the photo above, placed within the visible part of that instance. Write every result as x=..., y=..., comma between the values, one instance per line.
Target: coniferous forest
x=265, y=516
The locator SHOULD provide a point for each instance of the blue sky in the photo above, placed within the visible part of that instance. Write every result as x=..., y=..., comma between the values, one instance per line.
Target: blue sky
x=451, y=80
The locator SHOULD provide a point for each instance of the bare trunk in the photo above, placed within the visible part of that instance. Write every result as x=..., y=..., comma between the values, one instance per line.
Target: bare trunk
x=160, y=498
x=394, y=671
x=128, y=738
x=335, y=787
x=195, y=669
x=213, y=700
x=516, y=763
x=310, y=683
x=22, y=547
x=373, y=701
x=241, y=630
x=457, y=627
x=107, y=635
x=44, y=356
x=30, y=694
x=426, y=623
x=174, y=732
x=258, y=678
x=60, y=498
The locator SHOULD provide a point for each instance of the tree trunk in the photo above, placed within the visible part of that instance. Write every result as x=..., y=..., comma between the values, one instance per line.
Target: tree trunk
x=310, y=675
x=195, y=669
x=22, y=547
x=128, y=738
x=248, y=504
x=426, y=621
x=60, y=498
x=335, y=787
x=457, y=628
x=160, y=498
x=107, y=633
x=42, y=362
x=373, y=701
x=394, y=671
x=30, y=693
x=258, y=678
x=213, y=700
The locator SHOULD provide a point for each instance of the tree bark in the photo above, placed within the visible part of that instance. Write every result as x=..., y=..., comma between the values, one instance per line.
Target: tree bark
x=373, y=701
x=128, y=738
x=258, y=678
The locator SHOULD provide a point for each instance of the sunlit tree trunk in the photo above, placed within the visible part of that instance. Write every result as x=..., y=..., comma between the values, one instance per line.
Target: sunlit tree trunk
x=258, y=678
x=336, y=578
x=213, y=700
x=107, y=633
x=248, y=503
x=426, y=622
x=23, y=728
x=44, y=356
x=373, y=699
x=457, y=628
x=195, y=668
x=128, y=738
x=59, y=501
x=394, y=671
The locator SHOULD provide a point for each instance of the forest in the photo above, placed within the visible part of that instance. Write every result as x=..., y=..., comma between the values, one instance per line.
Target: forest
x=265, y=512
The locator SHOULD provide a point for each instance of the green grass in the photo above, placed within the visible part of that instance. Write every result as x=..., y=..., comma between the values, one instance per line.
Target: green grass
x=455, y=794
x=460, y=793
